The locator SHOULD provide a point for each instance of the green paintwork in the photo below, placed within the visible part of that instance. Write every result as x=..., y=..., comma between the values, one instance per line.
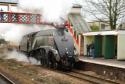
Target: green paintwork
x=98, y=46
x=109, y=47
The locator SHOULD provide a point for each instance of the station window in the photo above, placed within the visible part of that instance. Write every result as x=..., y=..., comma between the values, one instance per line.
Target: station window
x=103, y=26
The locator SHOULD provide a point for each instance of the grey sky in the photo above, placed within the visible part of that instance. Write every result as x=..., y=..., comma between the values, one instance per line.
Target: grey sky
x=12, y=1
x=88, y=17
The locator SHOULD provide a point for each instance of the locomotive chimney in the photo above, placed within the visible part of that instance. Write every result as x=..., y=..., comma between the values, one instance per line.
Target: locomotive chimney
x=76, y=9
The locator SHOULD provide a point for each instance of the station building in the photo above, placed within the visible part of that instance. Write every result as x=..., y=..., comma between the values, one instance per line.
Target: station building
x=107, y=44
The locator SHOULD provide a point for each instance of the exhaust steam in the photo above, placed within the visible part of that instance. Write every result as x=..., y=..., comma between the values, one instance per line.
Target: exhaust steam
x=55, y=11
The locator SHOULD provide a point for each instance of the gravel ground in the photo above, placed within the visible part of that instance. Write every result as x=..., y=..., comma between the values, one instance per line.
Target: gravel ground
x=33, y=74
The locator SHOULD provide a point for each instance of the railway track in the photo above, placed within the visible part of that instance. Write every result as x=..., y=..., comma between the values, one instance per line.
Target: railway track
x=5, y=80
x=92, y=79
x=81, y=75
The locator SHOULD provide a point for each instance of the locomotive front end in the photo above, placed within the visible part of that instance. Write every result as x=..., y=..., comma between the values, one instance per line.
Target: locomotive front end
x=65, y=47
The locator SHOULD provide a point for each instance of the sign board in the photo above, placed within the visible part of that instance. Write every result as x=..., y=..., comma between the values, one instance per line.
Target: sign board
x=9, y=1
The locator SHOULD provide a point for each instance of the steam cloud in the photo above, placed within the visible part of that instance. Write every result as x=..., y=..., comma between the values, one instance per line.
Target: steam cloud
x=21, y=57
x=51, y=10
x=14, y=33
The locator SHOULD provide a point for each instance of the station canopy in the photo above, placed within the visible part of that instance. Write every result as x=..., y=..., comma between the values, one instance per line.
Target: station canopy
x=101, y=33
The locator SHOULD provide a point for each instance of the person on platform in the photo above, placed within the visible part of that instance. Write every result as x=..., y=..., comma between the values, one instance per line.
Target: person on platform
x=88, y=49
x=92, y=50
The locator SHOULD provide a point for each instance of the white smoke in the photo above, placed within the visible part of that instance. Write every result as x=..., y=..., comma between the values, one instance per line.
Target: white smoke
x=14, y=32
x=51, y=10
x=17, y=56
x=21, y=57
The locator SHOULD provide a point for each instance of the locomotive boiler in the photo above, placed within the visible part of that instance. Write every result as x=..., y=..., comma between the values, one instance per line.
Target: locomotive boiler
x=52, y=47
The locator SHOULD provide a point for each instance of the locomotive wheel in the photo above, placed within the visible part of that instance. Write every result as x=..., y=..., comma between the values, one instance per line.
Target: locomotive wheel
x=59, y=66
x=55, y=65
x=42, y=53
x=52, y=60
x=65, y=61
x=71, y=65
x=67, y=64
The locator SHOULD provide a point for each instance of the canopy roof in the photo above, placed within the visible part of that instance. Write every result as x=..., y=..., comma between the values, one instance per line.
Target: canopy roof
x=116, y=32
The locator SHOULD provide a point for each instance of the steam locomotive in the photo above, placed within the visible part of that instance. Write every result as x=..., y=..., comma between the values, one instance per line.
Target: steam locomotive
x=52, y=47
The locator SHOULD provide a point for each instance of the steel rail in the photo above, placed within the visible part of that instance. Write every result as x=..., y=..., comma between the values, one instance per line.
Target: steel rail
x=77, y=74
x=6, y=79
x=90, y=78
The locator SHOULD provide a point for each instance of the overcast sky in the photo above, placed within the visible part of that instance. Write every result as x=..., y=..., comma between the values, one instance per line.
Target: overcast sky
x=12, y=1
x=88, y=17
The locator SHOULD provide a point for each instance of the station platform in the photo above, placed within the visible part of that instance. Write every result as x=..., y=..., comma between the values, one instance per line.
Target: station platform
x=106, y=62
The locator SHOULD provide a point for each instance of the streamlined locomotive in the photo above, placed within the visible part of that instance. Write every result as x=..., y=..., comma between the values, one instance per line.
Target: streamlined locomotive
x=53, y=47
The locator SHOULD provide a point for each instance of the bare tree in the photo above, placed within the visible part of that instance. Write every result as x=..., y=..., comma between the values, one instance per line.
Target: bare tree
x=111, y=10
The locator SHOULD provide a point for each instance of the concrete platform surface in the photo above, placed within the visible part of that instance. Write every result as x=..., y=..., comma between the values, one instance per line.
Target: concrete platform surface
x=102, y=61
